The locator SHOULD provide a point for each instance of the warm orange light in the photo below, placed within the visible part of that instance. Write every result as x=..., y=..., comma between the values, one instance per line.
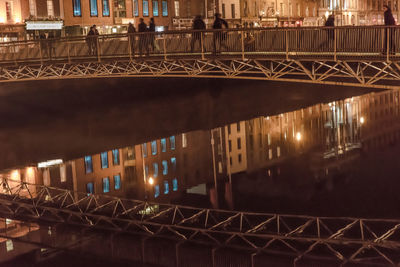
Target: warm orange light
x=362, y=120
x=14, y=175
x=298, y=136
x=30, y=174
x=151, y=181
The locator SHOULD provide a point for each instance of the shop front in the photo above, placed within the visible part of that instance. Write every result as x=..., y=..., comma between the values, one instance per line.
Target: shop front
x=12, y=32
x=35, y=28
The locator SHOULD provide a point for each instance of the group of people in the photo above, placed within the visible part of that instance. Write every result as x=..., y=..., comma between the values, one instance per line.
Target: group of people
x=92, y=40
x=47, y=48
x=146, y=41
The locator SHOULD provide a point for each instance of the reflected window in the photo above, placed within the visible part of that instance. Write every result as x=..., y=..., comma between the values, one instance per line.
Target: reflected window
x=77, y=8
x=104, y=160
x=144, y=150
x=155, y=8
x=146, y=172
x=163, y=145
x=117, y=182
x=106, y=185
x=90, y=188
x=145, y=8
x=175, y=184
x=88, y=164
x=9, y=245
x=156, y=191
x=184, y=140
x=166, y=187
x=172, y=142
x=115, y=155
x=164, y=8
x=173, y=163
x=93, y=8
x=165, y=167
x=106, y=8
x=154, y=147
x=155, y=167
x=63, y=173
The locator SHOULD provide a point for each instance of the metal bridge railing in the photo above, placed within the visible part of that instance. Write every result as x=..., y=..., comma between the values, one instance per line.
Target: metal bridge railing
x=379, y=42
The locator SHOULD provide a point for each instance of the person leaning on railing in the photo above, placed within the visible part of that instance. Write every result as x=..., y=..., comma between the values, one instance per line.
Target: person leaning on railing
x=330, y=32
x=219, y=37
x=131, y=36
x=389, y=32
x=198, y=24
x=143, y=40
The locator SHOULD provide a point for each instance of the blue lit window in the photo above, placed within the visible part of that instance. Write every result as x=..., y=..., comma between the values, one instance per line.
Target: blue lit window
x=106, y=8
x=156, y=191
x=173, y=162
x=172, y=142
x=163, y=145
x=146, y=172
x=93, y=8
x=155, y=8
x=135, y=8
x=155, y=167
x=88, y=164
x=145, y=8
x=144, y=150
x=164, y=8
x=104, y=160
x=166, y=187
x=77, y=8
x=106, y=185
x=175, y=184
x=90, y=188
x=165, y=167
x=154, y=147
x=115, y=155
x=117, y=182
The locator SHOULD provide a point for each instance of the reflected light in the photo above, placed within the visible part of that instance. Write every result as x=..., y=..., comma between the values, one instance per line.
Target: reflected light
x=14, y=175
x=151, y=181
x=30, y=172
x=362, y=120
x=298, y=136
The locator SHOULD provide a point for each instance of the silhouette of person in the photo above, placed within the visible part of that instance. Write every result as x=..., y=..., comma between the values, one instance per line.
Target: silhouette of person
x=143, y=43
x=219, y=36
x=198, y=24
x=389, y=32
x=131, y=36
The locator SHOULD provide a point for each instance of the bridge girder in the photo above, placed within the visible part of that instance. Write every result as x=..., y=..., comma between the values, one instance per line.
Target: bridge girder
x=371, y=74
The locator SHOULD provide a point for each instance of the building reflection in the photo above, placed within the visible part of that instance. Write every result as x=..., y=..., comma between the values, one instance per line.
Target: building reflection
x=290, y=154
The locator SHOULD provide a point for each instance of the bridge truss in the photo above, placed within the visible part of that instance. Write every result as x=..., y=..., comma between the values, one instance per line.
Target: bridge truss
x=349, y=73
x=299, y=238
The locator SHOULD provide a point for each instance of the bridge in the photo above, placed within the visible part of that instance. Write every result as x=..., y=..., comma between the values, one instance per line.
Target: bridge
x=297, y=237
x=353, y=56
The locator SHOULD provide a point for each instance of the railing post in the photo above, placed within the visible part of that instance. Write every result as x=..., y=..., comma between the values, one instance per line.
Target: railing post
x=40, y=50
x=98, y=49
x=130, y=45
x=334, y=43
x=68, y=53
x=165, y=48
x=202, y=44
x=287, y=44
x=387, y=43
x=242, y=37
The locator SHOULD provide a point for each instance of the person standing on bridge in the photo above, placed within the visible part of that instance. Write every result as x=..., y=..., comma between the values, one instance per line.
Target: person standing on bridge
x=389, y=31
x=330, y=32
x=218, y=36
x=198, y=24
x=131, y=38
x=143, y=37
x=152, y=36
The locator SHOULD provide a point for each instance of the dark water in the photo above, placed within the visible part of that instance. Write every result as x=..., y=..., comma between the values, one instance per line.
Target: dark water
x=251, y=146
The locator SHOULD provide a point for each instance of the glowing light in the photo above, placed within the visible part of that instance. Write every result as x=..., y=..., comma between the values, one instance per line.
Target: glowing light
x=114, y=30
x=326, y=14
x=2, y=20
x=362, y=120
x=151, y=181
x=298, y=136
x=49, y=163
x=14, y=175
x=17, y=20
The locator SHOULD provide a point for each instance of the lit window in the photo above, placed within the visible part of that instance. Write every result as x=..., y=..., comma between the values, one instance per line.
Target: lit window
x=90, y=188
x=165, y=167
x=135, y=8
x=154, y=147
x=93, y=8
x=77, y=8
x=184, y=140
x=175, y=184
x=156, y=191
x=176, y=8
x=173, y=162
x=163, y=145
x=278, y=151
x=115, y=155
x=166, y=187
x=117, y=182
x=32, y=8
x=50, y=8
x=9, y=245
x=164, y=8
x=155, y=167
x=106, y=185
x=144, y=150
x=106, y=8
x=155, y=8
x=88, y=164
x=172, y=142
x=145, y=8
x=104, y=160
x=270, y=153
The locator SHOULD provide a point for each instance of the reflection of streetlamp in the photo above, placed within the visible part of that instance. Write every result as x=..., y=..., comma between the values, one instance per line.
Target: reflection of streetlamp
x=298, y=136
x=151, y=181
x=362, y=120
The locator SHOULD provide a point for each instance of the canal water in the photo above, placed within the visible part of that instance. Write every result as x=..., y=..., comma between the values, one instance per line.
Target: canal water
x=233, y=145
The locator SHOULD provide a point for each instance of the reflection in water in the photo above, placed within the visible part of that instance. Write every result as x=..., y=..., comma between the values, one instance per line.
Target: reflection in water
x=310, y=160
